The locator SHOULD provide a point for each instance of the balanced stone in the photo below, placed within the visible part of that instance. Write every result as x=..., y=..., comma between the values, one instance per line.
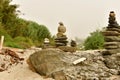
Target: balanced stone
x=61, y=28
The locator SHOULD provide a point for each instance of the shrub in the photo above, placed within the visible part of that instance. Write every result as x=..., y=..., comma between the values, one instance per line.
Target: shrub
x=94, y=41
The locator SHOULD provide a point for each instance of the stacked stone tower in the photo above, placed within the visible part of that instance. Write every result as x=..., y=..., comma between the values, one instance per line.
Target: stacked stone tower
x=112, y=35
x=61, y=39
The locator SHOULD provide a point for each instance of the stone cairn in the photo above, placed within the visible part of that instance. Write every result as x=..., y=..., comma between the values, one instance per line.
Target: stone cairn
x=61, y=39
x=112, y=35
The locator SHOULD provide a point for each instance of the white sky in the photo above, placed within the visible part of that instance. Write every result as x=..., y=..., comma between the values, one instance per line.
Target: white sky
x=79, y=16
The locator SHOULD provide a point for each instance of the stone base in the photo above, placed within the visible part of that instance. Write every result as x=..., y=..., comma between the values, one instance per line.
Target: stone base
x=60, y=44
x=67, y=48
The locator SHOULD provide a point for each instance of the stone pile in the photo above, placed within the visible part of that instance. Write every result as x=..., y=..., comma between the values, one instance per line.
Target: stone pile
x=61, y=39
x=112, y=35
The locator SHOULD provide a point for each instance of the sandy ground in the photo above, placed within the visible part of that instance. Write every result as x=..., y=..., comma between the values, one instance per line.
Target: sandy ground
x=21, y=71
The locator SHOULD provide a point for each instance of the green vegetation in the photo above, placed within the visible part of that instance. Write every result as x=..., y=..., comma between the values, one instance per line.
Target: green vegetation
x=94, y=41
x=18, y=32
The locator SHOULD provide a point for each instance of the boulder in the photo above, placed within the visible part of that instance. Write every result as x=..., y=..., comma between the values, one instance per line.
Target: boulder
x=46, y=62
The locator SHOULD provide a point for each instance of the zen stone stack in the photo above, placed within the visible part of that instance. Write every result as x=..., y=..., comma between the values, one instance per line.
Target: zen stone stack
x=112, y=35
x=61, y=39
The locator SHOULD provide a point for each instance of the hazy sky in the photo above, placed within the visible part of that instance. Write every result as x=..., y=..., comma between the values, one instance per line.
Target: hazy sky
x=79, y=16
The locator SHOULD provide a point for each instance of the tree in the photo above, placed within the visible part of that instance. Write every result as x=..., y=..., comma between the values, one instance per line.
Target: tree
x=7, y=11
x=94, y=41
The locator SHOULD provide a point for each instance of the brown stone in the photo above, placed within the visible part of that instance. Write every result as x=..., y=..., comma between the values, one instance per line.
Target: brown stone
x=112, y=38
x=61, y=41
x=113, y=51
x=67, y=48
x=62, y=29
x=111, y=33
x=111, y=43
x=111, y=47
x=61, y=38
x=59, y=34
x=113, y=29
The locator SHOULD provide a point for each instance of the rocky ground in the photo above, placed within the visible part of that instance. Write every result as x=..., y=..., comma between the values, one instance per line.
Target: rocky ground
x=96, y=66
x=92, y=65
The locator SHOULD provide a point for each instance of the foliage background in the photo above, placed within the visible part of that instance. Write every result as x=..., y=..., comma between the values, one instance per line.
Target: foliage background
x=19, y=32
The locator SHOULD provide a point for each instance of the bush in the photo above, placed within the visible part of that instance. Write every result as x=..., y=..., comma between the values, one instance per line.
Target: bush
x=24, y=42
x=94, y=41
